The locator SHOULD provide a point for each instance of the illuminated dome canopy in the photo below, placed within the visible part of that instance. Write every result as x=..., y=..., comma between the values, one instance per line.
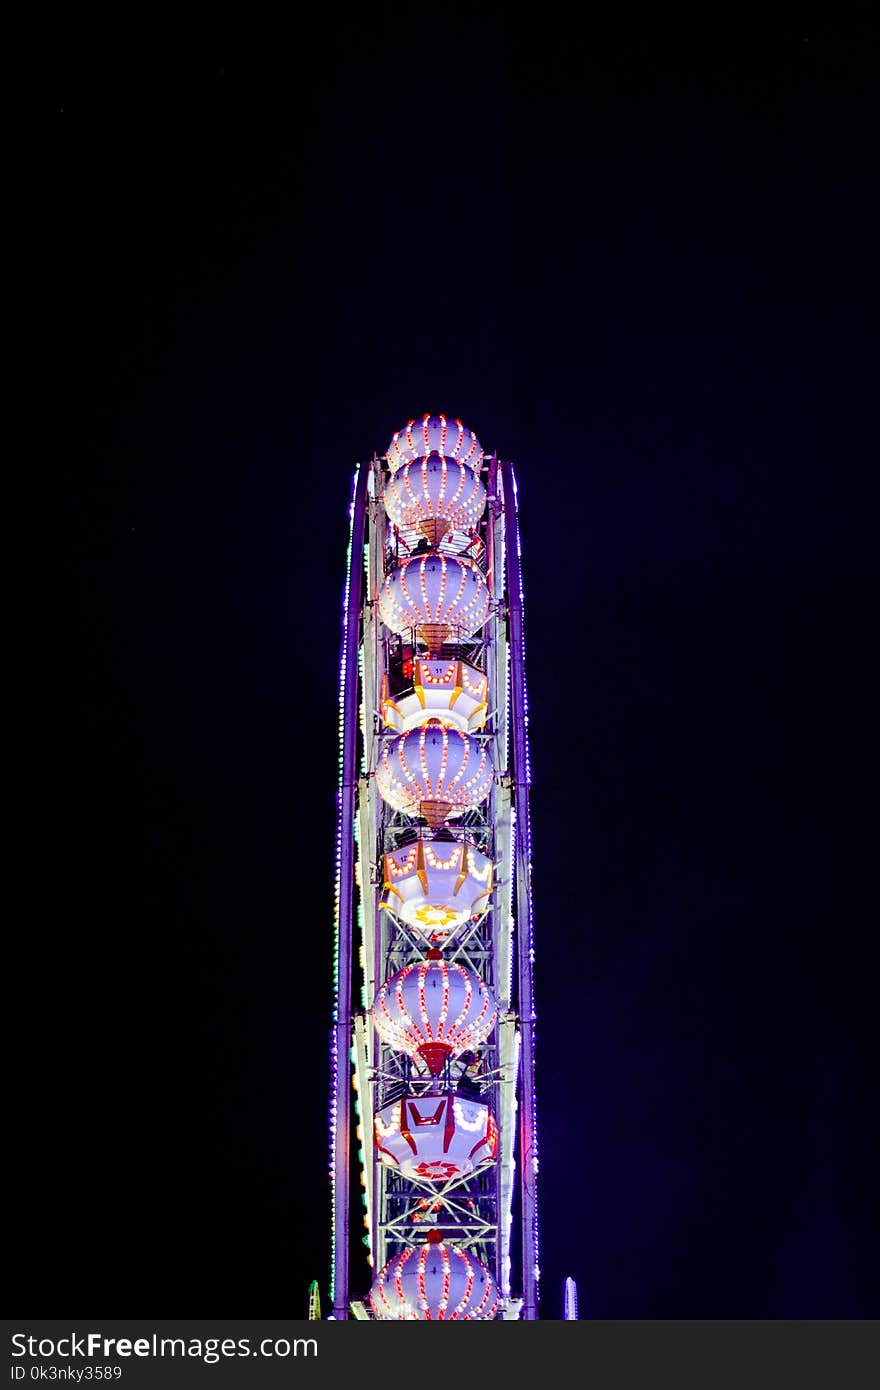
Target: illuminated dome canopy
x=433, y=496
x=452, y=691
x=434, y=771
x=435, y=1138
x=433, y=1009
x=437, y=885
x=443, y=596
x=434, y=1282
x=434, y=434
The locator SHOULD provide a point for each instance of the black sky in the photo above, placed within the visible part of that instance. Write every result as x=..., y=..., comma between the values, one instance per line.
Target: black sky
x=640, y=266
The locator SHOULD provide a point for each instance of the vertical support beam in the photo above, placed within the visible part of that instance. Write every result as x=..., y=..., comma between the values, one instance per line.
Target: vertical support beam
x=375, y=926
x=524, y=925
x=348, y=776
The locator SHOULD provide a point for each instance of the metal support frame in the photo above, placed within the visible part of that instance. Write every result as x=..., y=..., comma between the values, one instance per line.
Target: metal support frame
x=340, y=1060
x=497, y=944
x=523, y=868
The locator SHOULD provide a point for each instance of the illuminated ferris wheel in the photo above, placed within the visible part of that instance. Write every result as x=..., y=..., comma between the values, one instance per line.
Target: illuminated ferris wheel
x=434, y=1153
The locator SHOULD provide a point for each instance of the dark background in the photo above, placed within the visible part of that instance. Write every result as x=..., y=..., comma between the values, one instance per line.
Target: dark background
x=639, y=264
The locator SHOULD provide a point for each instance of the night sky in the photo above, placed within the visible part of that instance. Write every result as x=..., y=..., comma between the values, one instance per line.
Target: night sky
x=638, y=264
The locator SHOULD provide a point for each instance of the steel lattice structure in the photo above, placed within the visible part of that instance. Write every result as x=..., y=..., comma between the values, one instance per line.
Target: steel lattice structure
x=431, y=1114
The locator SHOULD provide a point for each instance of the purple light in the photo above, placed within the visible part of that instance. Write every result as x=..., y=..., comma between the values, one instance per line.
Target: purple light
x=340, y=1097
x=523, y=866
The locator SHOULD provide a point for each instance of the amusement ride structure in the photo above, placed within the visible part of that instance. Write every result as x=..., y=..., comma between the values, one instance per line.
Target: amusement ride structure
x=434, y=1148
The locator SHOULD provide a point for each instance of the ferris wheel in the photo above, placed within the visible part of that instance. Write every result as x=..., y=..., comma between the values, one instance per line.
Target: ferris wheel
x=434, y=1146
